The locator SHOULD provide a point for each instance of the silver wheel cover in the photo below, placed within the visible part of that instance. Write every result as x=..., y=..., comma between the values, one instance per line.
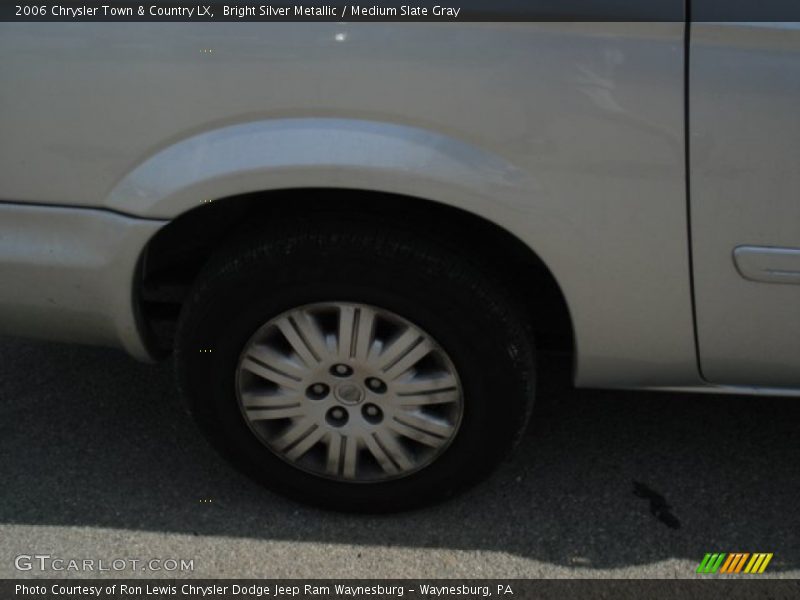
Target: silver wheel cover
x=349, y=392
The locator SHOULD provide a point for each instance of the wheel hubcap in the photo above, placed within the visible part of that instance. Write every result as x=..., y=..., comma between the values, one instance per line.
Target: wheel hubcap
x=349, y=391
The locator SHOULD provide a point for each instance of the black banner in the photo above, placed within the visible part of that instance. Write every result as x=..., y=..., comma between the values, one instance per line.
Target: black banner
x=399, y=10
x=435, y=589
x=341, y=10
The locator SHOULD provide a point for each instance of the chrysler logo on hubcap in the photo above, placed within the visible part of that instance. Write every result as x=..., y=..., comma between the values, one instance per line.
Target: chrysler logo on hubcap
x=349, y=393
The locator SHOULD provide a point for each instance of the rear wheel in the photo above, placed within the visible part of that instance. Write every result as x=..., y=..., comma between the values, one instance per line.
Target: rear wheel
x=355, y=366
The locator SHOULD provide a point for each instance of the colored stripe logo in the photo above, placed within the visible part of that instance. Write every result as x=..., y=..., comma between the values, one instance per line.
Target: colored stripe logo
x=733, y=563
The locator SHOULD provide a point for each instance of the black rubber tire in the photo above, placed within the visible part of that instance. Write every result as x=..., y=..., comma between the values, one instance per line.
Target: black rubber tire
x=290, y=264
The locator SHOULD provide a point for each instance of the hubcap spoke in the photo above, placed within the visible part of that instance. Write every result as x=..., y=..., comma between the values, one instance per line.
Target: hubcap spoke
x=425, y=425
x=364, y=327
x=347, y=325
x=357, y=393
x=277, y=362
x=416, y=435
x=260, y=400
x=444, y=397
x=262, y=414
x=295, y=433
x=305, y=444
x=396, y=452
x=291, y=332
x=350, y=457
x=420, y=351
x=428, y=397
x=380, y=455
x=333, y=463
x=311, y=334
x=397, y=349
x=270, y=373
x=412, y=387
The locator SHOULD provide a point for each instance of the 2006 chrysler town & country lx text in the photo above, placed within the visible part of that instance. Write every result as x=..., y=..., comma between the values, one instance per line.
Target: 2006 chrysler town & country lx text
x=351, y=237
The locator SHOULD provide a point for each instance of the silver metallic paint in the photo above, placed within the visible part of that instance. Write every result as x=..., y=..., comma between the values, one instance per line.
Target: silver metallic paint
x=567, y=135
x=745, y=176
x=68, y=275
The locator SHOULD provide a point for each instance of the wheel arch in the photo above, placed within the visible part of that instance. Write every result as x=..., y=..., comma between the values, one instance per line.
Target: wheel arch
x=177, y=252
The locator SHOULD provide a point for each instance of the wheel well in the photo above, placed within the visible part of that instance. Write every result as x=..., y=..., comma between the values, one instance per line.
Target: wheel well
x=176, y=254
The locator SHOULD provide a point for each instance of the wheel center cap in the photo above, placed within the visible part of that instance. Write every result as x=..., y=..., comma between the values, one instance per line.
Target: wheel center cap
x=349, y=393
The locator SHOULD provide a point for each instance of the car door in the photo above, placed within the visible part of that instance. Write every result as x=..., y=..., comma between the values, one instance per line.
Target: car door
x=744, y=159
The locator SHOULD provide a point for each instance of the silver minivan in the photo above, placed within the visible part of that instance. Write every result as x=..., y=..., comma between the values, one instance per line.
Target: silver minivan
x=354, y=239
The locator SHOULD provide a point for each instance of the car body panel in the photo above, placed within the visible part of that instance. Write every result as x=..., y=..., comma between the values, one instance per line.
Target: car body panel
x=568, y=135
x=68, y=274
x=745, y=175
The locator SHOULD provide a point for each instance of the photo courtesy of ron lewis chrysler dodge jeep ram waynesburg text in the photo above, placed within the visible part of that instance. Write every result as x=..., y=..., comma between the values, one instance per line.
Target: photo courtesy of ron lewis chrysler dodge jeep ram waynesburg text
x=354, y=239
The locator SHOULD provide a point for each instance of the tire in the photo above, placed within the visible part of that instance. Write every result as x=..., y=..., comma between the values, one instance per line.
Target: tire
x=323, y=271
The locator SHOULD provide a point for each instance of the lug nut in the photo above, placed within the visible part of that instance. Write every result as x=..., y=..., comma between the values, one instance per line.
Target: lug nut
x=337, y=416
x=317, y=391
x=341, y=370
x=376, y=385
x=372, y=413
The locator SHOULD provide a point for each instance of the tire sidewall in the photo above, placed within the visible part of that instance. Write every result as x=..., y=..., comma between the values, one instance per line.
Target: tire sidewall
x=450, y=304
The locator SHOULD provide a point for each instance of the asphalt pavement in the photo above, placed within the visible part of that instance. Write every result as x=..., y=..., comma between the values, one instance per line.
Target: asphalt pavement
x=99, y=461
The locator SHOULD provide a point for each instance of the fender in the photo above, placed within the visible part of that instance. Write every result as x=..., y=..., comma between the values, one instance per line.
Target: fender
x=570, y=136
x=582, y=244
x=293, y=153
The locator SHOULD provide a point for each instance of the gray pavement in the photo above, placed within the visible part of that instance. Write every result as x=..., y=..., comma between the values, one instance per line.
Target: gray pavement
x=98, y=460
